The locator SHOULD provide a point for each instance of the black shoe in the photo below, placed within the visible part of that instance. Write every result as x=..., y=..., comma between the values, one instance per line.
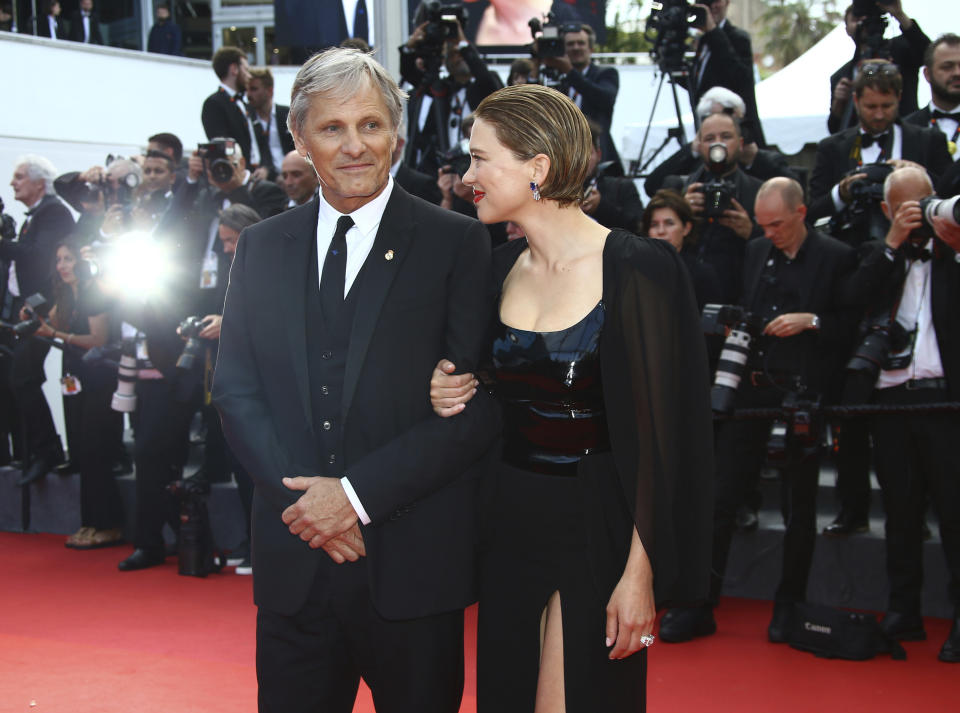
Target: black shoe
x=780, y=622
x=903, y=627
x=847, y=524
x=66, y=468
x=747, y=520
x=38, y=469
x=951, y=647
x=686, y=623
x=141, y=559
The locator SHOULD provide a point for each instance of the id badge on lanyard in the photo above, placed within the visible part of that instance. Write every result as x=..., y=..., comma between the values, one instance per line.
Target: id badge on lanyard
x=208, y=278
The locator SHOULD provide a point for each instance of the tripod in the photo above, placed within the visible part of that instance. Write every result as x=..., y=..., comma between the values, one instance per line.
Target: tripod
x=677, y=132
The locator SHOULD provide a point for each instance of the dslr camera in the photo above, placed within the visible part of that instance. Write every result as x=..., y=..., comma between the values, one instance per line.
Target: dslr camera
x=457, y=158
x=190, y=328
x=668, y=27
x=217, y=158
x=549, y=36
x=744, y=327
x=869, y=35
x=863, y=219
x=717, y=192
x=443, y=23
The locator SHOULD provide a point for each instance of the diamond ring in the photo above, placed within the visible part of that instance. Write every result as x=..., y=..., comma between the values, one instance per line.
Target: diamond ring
x=648, y=639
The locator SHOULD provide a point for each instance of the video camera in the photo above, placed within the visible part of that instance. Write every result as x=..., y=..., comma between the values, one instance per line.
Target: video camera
x=743, y=327
x=870, y=29
x=668, y=29
x=443, y=24
x=863, y=219
x=217, y=158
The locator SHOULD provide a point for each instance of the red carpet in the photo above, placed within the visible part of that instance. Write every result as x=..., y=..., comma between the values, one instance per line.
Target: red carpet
x=77, y=636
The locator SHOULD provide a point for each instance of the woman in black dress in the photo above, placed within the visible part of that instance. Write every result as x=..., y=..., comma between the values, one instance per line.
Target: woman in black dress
x=80, y=318
x=600, y=508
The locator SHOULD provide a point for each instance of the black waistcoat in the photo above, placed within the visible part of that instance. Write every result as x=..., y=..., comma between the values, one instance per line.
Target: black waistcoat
x=327, y=342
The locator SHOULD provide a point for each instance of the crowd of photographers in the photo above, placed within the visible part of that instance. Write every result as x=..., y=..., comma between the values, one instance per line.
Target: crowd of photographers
x=814, y=296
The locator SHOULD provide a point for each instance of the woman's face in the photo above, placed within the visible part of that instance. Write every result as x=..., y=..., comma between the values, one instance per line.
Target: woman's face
x=666, y=225
x=66, y=261
x=500, y=182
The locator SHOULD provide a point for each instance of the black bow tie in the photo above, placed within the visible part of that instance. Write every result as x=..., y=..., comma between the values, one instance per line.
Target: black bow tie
x=917, y=252
x=937, y=114
x=868, y=140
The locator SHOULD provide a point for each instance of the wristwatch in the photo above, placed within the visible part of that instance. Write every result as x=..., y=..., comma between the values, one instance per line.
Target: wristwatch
x=815, y=322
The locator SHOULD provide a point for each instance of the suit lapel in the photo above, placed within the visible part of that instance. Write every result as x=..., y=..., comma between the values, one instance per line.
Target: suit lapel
x=297, y=243
x=395, y=233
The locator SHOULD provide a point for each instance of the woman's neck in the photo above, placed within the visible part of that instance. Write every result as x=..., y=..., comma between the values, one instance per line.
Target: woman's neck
x=558, y=235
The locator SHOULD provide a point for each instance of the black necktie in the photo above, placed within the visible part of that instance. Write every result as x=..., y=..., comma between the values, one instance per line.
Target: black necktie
x=360, y=21
x=334, y=273
x=937, y=114
x=917, y=252
x=867, y=140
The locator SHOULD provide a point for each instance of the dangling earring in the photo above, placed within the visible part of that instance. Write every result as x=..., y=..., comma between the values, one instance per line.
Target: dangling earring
x=535, y=189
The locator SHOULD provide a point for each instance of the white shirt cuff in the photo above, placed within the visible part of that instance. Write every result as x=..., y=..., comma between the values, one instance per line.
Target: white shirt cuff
x=837, y=200
x=354, y=500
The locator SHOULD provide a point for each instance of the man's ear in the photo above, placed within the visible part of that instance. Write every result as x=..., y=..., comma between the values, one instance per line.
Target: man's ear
x=886, y=210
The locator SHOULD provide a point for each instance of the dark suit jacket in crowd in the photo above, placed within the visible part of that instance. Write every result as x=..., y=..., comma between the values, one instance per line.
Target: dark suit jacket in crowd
x=34, y=251
x=949, y=184
x=43, y=27
x=419, y=184
x=926, y=146
x=414, y=472
x=598, y=86
x=224, y=117
x=767, y=164
x=164, y=38
x=280, y=114
x=906, y=51
x=620, y=205
x=76, y=28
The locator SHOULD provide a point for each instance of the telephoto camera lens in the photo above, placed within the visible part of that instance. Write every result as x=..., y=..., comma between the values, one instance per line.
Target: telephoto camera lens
x=730, y=368
x=125, y=397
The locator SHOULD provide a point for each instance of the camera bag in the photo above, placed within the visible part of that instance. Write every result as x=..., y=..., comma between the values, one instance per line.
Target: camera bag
x=834, y=633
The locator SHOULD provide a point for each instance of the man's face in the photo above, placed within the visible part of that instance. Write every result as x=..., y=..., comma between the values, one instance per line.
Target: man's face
x=163, y=14
x=86, y=5
x=944, y=75
x=243, y=74
x=55, y=9
x=782, y=225
x=157, y=175
x=719, y=128
x=718, y=8
x=298, y=179
x=25, y=189
x=877, y=110
x=350, y=143
x=578, y=49
x=906, y=187
x=851, y=21
x=228, y=237
x=259, y=95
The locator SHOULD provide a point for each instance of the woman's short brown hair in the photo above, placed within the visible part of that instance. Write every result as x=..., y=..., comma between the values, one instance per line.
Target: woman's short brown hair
x=667, y=198
x=530, y=119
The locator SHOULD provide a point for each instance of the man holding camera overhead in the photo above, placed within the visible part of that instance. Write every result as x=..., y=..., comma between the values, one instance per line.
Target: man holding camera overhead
x=911, y=282
x=794, y=313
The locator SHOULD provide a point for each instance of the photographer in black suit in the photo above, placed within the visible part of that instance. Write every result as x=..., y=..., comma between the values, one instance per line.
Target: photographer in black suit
x=224, y=112
x=792, y=286
x=269, y=124
x=85, y=25
x=911, y=283
x=906, y=50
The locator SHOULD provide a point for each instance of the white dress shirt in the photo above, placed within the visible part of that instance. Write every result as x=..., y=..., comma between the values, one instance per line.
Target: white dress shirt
x=272, y=133
x=242, y=108
x=947, y=126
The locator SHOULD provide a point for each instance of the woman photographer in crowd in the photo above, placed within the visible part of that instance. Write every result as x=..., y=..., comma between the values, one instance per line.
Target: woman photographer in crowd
x=80, y=318
x=599, y=509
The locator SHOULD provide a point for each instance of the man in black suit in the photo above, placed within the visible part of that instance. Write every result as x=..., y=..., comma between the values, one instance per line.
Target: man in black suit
x=411, y=180
x=879, y=138
x=49, y=23
x=906, y=50
x=612, y=201
x=326, y=350
x=85, y=25
x=792, y=284
x=269, y=124
x=725, y=59
x=29, y=263
x=591, y=87
x=912, y=278
x=942, y=71
x=438, y=107
x=722, y=238
x=224, y=112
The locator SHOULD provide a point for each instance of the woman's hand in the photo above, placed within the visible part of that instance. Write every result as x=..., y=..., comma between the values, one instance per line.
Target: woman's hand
x=449, y=392
x=631, y=611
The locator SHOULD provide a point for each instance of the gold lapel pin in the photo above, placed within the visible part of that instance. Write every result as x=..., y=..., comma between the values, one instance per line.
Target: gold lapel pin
x=388, y=255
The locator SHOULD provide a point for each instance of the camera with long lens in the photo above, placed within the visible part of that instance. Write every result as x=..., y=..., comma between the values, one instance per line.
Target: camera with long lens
x=443, y=25
x=121, y=193
x=35, y=306
x=863, y=219
x=217, y=158
x=932, y=207
x=197, y=555
x=668, y=28
x=457, y=158
x=125, y=397
x=8, y=226
x=743, y=328
x=870, y=29
x=191, y=328
x=884, y=336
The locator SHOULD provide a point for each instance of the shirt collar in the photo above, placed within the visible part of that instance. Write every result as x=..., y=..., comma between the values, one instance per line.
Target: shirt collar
x=230, y=92
x=950, y=110
x=367, y=217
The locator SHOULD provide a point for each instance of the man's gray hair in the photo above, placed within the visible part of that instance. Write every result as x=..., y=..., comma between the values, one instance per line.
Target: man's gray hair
x=339, y=73
x=126, y=167
x=903, y=173
x=722, y=96
x=39, y=169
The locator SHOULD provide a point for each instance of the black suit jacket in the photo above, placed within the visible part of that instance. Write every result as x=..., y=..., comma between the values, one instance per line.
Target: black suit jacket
x=34, y=251
x=222, y=117
x=76, y=28
x=824, y=294
x=414, y=472
x=598, y=87
x=767, y=164
x=620, y=205
x=418, y=184
x=878, y=283
x=926, y=146
x=43, y=28
x=906, y=51
x=280, y=114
